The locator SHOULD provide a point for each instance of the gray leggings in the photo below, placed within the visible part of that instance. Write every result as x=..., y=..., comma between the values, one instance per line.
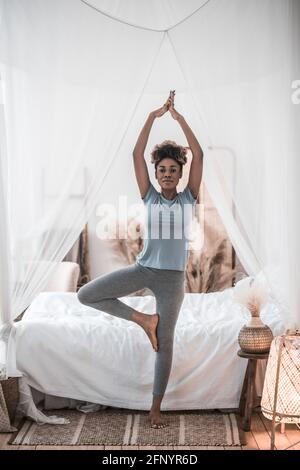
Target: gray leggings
x=168, y=287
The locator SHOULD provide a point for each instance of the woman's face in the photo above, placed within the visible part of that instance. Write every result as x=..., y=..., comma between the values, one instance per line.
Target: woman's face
x=168, y=173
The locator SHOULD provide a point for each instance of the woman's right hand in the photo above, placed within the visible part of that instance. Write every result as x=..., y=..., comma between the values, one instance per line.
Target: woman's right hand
x=161, y=111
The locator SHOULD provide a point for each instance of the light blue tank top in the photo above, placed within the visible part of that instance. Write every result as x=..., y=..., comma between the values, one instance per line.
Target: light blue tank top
x=167, y=226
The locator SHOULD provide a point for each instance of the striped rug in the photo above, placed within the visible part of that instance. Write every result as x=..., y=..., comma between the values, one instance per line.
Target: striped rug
x=117, y=427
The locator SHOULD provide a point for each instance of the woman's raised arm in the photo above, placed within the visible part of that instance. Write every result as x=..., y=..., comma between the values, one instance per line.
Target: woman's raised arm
x=140, y=166
x=196, y=168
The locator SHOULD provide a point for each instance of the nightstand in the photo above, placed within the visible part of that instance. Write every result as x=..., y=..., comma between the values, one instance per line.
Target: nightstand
x=248, y=394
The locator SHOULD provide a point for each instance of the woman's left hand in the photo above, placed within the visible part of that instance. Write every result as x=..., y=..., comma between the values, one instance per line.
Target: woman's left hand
x=175, y=114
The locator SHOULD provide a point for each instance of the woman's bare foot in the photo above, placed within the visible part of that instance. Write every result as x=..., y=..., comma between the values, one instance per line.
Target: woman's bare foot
x=149, y=324
x=156, y=420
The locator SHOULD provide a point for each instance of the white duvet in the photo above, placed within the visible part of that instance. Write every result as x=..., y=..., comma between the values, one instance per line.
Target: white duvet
x=66, y=349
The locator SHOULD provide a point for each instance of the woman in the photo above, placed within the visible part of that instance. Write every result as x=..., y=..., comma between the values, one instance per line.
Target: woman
x=161, y=264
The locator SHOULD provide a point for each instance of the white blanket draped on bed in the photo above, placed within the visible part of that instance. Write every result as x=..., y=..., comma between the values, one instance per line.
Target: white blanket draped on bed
x=69, y=350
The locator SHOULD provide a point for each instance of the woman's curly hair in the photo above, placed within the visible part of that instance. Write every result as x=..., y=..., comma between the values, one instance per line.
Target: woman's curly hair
x=169, y=149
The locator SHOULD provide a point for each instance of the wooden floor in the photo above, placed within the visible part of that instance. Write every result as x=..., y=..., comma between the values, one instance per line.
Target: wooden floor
x=257, y=439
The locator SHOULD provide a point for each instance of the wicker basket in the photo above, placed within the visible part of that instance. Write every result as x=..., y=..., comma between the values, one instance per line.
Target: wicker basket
x=281, y=392
x=255, y=340
x=10, y=388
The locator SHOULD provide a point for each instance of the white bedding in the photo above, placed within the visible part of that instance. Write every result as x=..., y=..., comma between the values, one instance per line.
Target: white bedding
x=66, y=349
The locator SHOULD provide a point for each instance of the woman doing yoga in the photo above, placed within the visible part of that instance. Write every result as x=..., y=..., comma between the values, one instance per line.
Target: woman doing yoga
x=161, y=264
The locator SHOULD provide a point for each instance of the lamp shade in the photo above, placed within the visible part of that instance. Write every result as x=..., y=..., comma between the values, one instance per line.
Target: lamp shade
x=281, y=391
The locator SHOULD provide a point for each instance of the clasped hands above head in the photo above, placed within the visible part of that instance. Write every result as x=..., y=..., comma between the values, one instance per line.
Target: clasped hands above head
x=167, y=106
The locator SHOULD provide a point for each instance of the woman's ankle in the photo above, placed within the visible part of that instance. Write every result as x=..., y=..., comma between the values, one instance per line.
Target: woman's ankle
x=155, y=411
x=156, y=403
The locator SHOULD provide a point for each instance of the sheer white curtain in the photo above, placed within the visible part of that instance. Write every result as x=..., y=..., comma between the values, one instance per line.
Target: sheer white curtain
x=80, y=77
x=68, y=100
x=240, y=62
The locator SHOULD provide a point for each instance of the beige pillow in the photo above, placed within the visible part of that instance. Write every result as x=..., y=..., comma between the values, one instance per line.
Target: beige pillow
x=64, y=278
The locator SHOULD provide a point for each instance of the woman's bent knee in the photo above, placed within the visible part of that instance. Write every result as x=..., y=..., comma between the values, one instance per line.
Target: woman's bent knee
x=82, y=296
x=88, y=296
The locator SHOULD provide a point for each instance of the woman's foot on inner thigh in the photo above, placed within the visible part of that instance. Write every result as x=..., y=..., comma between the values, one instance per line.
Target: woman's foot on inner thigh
x=156, y=420
x=149, y=324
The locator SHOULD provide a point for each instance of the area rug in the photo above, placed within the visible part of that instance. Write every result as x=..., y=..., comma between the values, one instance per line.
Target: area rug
x=120, y=427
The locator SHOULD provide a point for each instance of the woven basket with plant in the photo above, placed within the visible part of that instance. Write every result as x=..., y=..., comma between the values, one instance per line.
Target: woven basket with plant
x=255, y=337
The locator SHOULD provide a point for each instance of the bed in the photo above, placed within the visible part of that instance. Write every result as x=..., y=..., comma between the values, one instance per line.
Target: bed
x=66, y=349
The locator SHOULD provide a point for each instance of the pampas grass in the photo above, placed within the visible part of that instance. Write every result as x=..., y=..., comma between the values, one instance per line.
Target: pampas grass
x=251, y=293
x=209, y=273
x=128, y=248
